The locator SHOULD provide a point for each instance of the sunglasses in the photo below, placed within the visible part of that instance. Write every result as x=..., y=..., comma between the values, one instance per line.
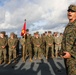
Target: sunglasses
x=70, y=10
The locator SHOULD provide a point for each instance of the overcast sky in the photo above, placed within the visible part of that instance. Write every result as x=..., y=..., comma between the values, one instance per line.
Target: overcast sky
x=41, y=15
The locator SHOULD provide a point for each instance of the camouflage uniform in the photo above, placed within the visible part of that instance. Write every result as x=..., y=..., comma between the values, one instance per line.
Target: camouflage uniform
x=69, y=37
x=43, y=46
x=3, y=52
x=49, y=40
x=29, y=45
x=37, y=50
x=58, y=41
x=17, y=47
x=23, y=43
x=33, y=37
x=12, y=43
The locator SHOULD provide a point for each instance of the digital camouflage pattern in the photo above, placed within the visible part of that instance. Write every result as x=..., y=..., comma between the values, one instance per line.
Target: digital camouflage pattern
x=69, y=38
x=23, y=44
x=49, y=40
x=12, y=50
x=43, y=46
x=72, y=7
x=58, y=41
x=37, y=50
x=29, y=45
x=3, y=42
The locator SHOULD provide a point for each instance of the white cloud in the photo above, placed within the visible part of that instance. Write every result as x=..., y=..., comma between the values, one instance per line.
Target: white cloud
x=41, y=15
x=6, y=24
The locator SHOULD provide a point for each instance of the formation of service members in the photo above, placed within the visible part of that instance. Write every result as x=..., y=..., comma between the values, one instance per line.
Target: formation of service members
x=8, y=47
x=12, y=43
x=31, y=46
x=45, y=44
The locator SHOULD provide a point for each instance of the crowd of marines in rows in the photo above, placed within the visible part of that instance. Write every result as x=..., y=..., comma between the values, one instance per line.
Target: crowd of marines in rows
x=46, y=44
x=37, y=45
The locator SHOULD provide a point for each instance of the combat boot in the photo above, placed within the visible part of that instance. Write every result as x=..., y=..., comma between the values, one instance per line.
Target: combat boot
x=56, y=55
x=5, y=61
x=52, y=56
x=46, y=57
x=15, y=61
x=31, y=60
x=9, y=62
x=0, y=61
x=24, y=60
x=39, y=57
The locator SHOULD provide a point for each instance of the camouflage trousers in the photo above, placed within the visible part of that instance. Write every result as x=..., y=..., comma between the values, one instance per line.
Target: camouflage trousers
x=43, y=49
x=71, y=64
x=49, y=49
x=37, y=51
x=23, y=52
x=12, y=52
x=57, y=47
x=29, y=50
x=3, y=54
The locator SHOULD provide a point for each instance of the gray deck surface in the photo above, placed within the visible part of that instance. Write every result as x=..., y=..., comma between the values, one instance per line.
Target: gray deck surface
x=53, y=66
